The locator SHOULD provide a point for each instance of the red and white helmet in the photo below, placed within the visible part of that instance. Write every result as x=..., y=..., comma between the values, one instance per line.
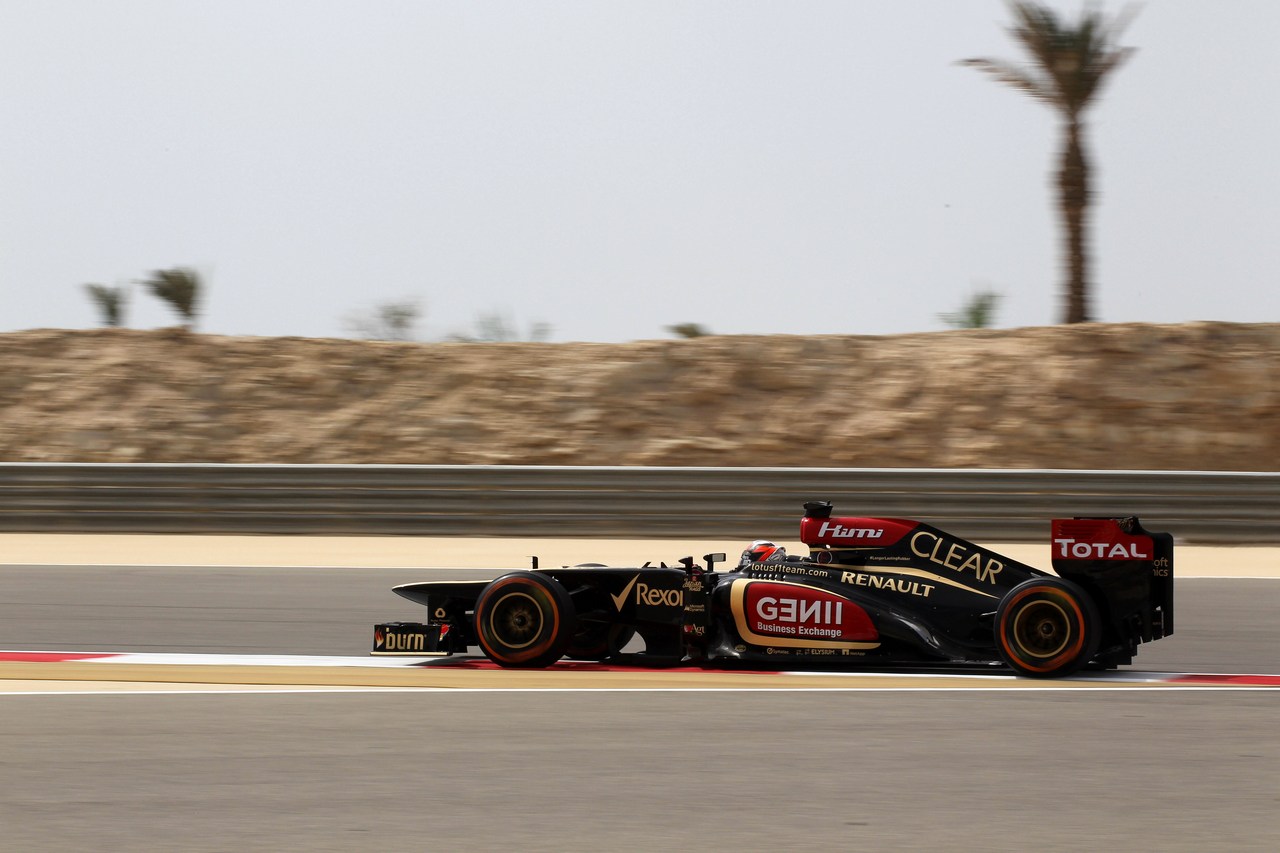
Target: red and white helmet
x=762, y=551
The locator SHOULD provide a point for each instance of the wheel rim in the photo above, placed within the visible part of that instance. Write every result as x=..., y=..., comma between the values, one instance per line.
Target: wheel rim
x=1042, y=629
x=515, y=620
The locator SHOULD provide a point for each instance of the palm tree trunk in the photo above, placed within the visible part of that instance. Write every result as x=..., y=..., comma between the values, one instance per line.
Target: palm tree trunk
x=1073, y=195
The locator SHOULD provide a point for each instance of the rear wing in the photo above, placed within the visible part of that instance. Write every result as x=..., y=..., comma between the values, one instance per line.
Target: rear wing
x=1128, y=570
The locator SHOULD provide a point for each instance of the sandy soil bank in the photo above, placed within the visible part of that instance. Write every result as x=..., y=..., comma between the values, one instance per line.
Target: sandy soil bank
x=432, y=552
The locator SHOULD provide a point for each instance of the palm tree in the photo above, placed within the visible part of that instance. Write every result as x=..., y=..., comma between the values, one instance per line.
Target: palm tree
x=389, y=321
x=979, y=312
x=180, y=287
x=110, y=302
x=1069, y=65
x=688, y=330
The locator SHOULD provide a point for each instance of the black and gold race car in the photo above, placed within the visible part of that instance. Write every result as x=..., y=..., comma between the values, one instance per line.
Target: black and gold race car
x=870, y=591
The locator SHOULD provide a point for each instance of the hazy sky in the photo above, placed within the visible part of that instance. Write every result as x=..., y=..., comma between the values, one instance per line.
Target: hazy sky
x=612, y=168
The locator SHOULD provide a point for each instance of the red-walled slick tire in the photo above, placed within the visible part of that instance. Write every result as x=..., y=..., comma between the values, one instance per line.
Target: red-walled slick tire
x=524, y=619
x=1047, y=628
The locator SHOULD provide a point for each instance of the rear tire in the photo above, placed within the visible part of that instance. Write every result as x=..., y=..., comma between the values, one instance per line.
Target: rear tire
x=1047, y=628
x=524, y=620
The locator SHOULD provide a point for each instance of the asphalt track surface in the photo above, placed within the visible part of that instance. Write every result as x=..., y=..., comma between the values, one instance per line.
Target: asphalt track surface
x=859, y=769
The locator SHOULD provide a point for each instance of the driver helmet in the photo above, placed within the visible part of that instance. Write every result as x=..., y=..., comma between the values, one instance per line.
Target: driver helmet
x=762, y=551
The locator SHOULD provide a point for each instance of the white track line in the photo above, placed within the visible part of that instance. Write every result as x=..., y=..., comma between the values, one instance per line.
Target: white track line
x=245, y=691
x=1128, y=681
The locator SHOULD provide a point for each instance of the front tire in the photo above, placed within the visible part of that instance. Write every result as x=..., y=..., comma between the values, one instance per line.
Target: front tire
x=524, y=620
x=1047, y=628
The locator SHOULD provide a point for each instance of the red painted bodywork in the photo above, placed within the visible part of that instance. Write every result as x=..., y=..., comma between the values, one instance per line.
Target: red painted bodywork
x=854, y=531
x=1097, y=539
x=795, y=611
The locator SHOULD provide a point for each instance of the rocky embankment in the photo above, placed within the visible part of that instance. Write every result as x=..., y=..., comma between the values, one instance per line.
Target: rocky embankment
x=1194, y=396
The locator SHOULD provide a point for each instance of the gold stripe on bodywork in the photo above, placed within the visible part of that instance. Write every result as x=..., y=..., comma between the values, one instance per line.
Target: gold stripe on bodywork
x=737, y=596
x=914, y=573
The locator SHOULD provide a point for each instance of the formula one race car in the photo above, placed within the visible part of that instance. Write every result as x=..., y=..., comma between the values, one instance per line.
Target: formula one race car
x=871, y=590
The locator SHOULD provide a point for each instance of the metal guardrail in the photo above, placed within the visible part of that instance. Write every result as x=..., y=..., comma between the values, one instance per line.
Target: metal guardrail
x=438, y=500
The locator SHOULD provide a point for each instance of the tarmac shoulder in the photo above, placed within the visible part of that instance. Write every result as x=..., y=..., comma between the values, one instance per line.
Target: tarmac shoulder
x=503, y=553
